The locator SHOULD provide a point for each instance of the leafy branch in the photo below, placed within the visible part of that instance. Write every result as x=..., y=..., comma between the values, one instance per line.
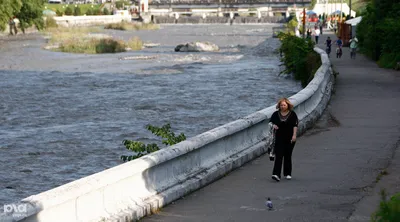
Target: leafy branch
x=140, y=149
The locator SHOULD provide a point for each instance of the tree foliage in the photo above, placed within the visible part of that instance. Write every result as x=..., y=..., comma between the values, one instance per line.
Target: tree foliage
x=299, y=58
x=31, y=13
x=140, y=149
x=28, y=12
x=312, y=4
x=68, y=11
x=379, y=32
x=77, y=11
x=8, y=9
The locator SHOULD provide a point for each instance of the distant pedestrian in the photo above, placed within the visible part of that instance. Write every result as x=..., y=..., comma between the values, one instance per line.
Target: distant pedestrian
x=316, y=34
x=320, y=27
x=285, y=124
x=339, y=44
x=309, y=33
x=11, y=25
x=15, y=26
x=353, y=47
x=328, y=44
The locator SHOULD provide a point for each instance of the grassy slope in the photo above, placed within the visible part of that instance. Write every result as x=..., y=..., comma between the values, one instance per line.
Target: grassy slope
x=83, y=7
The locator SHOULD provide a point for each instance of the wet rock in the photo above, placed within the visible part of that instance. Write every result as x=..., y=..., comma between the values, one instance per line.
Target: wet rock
x=9, y=187
x=197, y=47
x=34, y=153
x=26, y=171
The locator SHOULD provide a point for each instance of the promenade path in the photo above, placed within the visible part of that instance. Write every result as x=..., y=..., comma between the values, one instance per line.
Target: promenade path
x=336, y=163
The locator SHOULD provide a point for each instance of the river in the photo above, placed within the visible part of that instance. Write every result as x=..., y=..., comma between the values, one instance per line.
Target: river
x=64, y=116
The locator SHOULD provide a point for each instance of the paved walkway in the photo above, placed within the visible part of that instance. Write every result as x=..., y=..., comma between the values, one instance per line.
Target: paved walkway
x=335, y=164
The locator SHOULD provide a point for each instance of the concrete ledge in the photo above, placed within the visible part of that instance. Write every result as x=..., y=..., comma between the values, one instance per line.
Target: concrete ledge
x=135, y=189
x=69, y=21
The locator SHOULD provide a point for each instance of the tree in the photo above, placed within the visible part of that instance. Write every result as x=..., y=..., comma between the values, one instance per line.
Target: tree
x=106, y=11
x=312, y=4
x=379, y=30
x=8, y=9
x=31, y=13
x=68, y=11
x=77, y=11
x=89, y=11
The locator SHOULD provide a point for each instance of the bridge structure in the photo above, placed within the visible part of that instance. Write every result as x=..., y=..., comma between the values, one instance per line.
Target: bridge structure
x=221, y=7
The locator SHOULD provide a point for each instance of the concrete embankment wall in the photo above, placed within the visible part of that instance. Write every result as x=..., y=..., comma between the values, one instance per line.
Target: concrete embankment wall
x=216, y=20
x=137, y=188
x=69, y=21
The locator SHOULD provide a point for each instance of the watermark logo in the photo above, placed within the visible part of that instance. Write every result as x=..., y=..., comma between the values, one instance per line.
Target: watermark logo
x=16, y=210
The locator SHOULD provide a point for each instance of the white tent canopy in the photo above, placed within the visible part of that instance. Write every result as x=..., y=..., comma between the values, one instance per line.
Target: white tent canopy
x=354, y=21
x=331, y=7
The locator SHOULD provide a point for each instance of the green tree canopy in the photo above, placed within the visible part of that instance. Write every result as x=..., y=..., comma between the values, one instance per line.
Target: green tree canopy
x=28, y=12
x=8, y=9
x=31, y=13
x=379, y=32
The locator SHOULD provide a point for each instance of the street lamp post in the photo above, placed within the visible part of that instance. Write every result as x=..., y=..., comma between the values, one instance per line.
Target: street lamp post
x=350, y=9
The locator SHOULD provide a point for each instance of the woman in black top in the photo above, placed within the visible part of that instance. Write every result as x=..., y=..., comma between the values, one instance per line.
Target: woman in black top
x=285, y=126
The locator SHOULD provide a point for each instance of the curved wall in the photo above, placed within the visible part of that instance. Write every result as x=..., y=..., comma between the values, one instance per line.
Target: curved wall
x=137, y=188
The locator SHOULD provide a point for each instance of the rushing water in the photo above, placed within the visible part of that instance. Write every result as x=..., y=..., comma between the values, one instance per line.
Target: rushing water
x=58, y=126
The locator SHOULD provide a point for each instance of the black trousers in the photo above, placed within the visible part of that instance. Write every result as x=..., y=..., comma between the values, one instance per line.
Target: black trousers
x=283, y=153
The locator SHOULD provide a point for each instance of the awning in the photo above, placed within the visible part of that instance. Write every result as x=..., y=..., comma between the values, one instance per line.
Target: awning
x=354, y=21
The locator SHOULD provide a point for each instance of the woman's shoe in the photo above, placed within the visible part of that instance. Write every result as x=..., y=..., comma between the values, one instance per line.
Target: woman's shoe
x=276, y=178
x=288, y=177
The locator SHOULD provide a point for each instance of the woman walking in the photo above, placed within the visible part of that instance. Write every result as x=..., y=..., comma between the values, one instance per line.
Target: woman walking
x=285, y=124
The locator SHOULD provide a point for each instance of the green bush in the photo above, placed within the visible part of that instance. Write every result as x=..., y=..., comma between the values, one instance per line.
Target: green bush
x=59, y=13
x=299, y=57
x=89, y=12
x=124, y=26
x=379, y=32
x=77, y=11
x=92, y=46
x=50, y=22
x=110, y=46
x=389, y=210
x=121, y=4
x=68, y=11
x=141, y=149
x=106, y=11
x=97, y=11
x=135, y=43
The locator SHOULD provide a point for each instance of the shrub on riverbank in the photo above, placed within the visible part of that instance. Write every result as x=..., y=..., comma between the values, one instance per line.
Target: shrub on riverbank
x=50, y=22
x=93, y=45
x=80, y=40
x=379, y=32
x=125, y=26
x=100, y=45
x=299, y=57
x=140, y=149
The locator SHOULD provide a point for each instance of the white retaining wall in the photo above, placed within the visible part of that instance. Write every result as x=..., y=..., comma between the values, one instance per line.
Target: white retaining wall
x=135, y=189
x=69, y=21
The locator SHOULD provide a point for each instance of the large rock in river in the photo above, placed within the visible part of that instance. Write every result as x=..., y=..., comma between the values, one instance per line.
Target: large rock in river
x=197, y=47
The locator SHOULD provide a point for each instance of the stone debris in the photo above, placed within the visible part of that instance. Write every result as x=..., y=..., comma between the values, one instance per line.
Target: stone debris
x=137, y=58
